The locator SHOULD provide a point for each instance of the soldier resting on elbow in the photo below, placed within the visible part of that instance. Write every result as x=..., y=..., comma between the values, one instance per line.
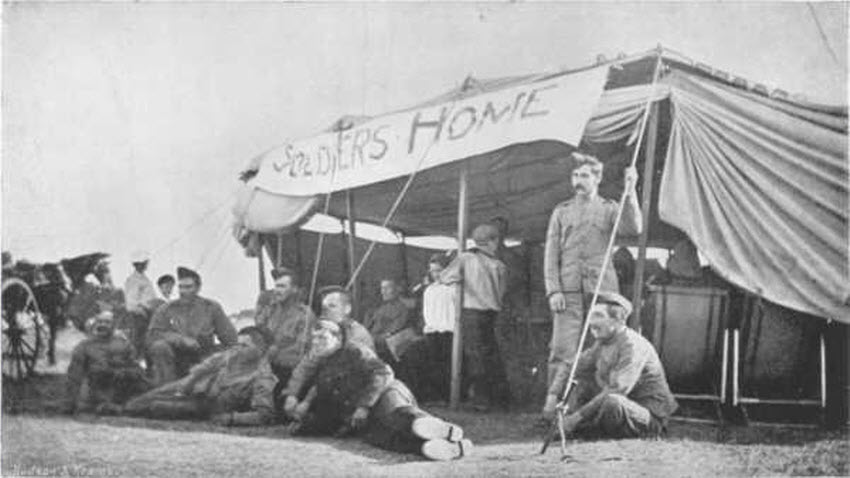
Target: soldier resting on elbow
x=353, y=391
x=233, y=387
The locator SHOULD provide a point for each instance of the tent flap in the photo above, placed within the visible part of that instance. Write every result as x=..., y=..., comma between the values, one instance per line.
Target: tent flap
x=761, y=187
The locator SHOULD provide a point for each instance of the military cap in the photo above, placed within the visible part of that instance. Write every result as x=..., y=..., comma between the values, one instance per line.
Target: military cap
x=139, y=257
x=330, y=290
x=186, y=273
x=614, y=298
x=279, y=272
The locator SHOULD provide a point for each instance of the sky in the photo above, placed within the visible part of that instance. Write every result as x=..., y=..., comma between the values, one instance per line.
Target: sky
x=125, y=125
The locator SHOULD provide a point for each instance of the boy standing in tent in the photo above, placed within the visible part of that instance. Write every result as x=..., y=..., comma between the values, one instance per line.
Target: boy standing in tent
x=576, y=240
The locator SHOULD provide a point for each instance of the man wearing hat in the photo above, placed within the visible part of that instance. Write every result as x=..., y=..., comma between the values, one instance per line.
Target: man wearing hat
x=282, y=313
x=181, y=332
x=576, y=241
x=622, y=390
x=484, y=279
x=138, y=288
x=104, y=363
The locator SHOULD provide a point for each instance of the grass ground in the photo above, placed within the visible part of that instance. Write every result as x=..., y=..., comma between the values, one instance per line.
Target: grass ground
x=38, y=440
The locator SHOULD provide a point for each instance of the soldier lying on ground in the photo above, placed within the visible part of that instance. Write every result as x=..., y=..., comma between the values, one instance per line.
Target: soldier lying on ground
x=233, y=387
x=622, y=390
x=353, y=391
x=103, y=372
x=336, y=307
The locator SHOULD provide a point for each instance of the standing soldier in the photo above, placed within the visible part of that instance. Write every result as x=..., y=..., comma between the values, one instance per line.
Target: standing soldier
x=484, y=279
x=578, y=235
x=181, y=332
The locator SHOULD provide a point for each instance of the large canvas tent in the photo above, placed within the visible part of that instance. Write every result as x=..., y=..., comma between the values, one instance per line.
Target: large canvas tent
x=756, y=179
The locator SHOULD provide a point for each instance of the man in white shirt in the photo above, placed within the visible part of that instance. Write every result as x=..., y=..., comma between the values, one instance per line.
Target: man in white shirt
x=426, y=367
x=138, y=288
x=140, y=299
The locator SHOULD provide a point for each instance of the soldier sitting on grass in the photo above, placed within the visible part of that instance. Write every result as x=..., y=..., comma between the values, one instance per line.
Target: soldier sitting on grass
x=103, y=373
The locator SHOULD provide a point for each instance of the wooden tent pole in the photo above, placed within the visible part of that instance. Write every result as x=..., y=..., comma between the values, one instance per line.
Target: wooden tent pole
x=457, y=339
x=352, y=252
x=299, y=263
x=646, y=204
x=261, y=266
x=402, y=247
x=279, y=257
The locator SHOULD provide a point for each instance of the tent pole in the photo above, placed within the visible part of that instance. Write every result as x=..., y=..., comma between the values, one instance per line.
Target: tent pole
x=279, y=258
x=457, y=339
x=404, y=270
x=646, y=203
x=261, y=266
x=352, y=252
x=299, y=264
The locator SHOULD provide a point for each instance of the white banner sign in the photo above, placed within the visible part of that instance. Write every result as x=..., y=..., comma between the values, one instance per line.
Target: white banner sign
x=397, y=144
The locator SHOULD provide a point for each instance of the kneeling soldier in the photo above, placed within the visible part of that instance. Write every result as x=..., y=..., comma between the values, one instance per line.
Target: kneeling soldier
x=232, y=387
x=622, y=390
x=352, y=390
x=103, y=372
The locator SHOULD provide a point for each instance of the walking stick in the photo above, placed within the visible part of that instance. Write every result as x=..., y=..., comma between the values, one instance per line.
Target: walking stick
x=562, y=408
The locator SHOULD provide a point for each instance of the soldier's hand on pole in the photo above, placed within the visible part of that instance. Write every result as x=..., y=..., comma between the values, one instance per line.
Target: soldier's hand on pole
x=630, y=176
x=557, y=302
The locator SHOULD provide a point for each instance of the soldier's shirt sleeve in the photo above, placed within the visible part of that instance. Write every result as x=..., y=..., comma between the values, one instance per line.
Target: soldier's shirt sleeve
x=631, y=224
x=451, y=274
x=624, y=375
x=160, y=323
x=262, y=309
x=224, y=329
x=262, y=394
x=552, y=255
x=76, y=372
x=380, y=377
x=586, y=364
x=302, y=375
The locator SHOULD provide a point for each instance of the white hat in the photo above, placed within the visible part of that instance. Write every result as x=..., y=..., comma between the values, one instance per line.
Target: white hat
x=140, y=256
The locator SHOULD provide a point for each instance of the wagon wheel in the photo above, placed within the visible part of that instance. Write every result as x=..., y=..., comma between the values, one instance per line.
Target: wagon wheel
x=23, y=329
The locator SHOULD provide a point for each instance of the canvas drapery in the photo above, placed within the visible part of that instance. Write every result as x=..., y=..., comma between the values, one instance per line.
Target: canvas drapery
x=761, y=187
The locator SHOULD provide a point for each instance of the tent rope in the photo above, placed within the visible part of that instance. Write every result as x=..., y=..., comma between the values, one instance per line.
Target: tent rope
x=562, y=405
x=318, y=258
x=399, y=198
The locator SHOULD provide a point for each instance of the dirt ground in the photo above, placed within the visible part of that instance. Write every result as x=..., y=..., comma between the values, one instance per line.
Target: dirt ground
x=38, y=441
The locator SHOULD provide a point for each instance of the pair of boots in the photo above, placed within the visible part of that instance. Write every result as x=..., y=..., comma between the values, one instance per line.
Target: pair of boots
x=443, y=441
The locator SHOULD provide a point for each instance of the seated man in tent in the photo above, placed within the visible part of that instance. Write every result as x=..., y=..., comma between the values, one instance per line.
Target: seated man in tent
x=353, y=391
x=234, y=387
x=336, y=307
x=282, y=313
x=622, y=390
x=103, y=373
x=391, y=318
x=181, y=332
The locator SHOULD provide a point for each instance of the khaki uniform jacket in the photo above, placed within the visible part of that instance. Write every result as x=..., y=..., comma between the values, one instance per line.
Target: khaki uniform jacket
x=233, y=378
x=289, y=322
x=110, y=357
x=628, y=365
x=576, y=240
x=200, y=319
x=387, y=319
